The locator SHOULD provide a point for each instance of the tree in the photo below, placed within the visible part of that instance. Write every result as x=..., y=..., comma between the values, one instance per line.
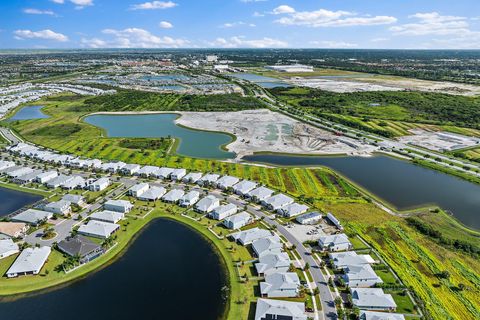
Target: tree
x=307, y=266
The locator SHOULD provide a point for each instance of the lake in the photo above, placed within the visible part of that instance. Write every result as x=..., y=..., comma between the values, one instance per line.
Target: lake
x=401, y=183
x=265, y=82
x=29, y=113
x=193, y=143
x=12, y=200
x=169, y=272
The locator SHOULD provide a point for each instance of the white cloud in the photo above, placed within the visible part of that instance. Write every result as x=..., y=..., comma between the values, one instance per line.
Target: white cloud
x=133, y=38
x=241, y=42
x=165, y=25
x=258, y=14
x=433, y=23
x=379, y=39
x=46, y=34
x=237, y=24
x=154, y=5
x=327, y=18
x=38, y=11
x=283, y=9
x=82, y=3
x=58, y=1
x=334, y=44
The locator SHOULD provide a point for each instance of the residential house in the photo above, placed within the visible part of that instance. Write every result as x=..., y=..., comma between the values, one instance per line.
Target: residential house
x=138, y=189
x=98, y=229
x=13, y=229
x=208, y=179
x=267, y=245
x=130, y=169
x=248, y=236
x=207, y=204
x=292, y=210
x=189, y=199
x=164, y=173
x=75, y=199
x=273, y=263
x=148, y=171
x=223, y=211
x=82, y=247
x=178, y=174
x=27, y=178
x=226, y=182
x=309, y=218
x=280, y=285
x=32, y=216
x=270, y=309
x=6, y=164
x=20, y=171
x=372, y=299
x=8, y=248
x=259, y=194
x=335, y=221
x=59, y=207
x=276, y=202
x=30, y=261
x=173, y=196
x=44, y=177
x=99, y=185
x=107, y=216
x=243, y=187
x=360, y=276
x=192, y=177
x=123, y=206
x=375, y=315
x=58, y=181
x=76, y=182
x=335, y=242
x=238, y=220
x=340, y=260
x=152, y=194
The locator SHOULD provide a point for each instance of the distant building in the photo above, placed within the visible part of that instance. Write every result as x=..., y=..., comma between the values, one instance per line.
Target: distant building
x=290, y=68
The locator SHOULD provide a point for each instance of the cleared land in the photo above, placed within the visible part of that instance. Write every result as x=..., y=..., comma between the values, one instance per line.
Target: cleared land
x=264, y=130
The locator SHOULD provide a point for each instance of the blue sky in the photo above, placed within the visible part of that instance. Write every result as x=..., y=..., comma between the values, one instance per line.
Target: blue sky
x=409, y=24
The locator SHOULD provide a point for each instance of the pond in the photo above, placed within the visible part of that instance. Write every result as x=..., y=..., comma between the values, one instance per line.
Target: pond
x=401, y=183
x=29, y=113
x=12, y=200
x=193, y=143
x=169, y=272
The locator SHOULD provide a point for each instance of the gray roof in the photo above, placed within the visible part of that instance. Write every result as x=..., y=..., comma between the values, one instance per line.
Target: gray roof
x=153, y=193
x=239, y=217
x=227, y=181
x=294, y=209
x=244, y=186
x=267, y=245
x=334, y=239
x=269, y=309
x=278, y=201
x=73, y=198
x=343, y=259
x=119, y=203
x=280, y=284
x=272, y=262
x=260, y=193
x=372, y=297
x=207, y=203
x=361, y=272
x=30, y=260
x=308, y=216
x=191, y=195
x=192, y=176
x=78, y=245
x=32, y=216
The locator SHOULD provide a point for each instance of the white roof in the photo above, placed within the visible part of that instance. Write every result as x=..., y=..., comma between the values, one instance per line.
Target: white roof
x=244, y=186
x=278, y=200
x=267, y=245
x=225, y=208
x=294, y=208
x=250, y=235
x=273, y=261
x=372, y=297
x=342, y=259
x=164, y=172
x=334, y=239
x=277, y=283
x=99, y=228
x=119, y=203
x=193, y=176
x=153, y=193
x=227, y=181
x=239, y=217
x=32, y=216
x=7, y=245
x=210, y=177
x=207, y=202
x=30, y=259
x=361, y=272
x=139, y=186
x=294, y=310
x=374, y=315
x=73, y=198
x=109, y=216
x=191, y=195
x=173, y=195
x=260, y=192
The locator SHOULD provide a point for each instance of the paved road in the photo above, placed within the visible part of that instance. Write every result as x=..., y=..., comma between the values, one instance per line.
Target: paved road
x=9, y=135
x=328, y=301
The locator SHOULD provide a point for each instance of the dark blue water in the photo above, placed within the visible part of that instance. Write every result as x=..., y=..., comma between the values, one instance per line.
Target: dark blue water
x=12, y=200
x=28, y=113
x=169, y=272
x=401, y=183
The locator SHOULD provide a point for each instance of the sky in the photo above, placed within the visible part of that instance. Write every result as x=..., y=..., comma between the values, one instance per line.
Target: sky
x=375, y=24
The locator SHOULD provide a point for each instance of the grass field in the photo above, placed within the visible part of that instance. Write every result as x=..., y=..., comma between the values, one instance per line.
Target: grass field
x=316, y=73
x=418, y=260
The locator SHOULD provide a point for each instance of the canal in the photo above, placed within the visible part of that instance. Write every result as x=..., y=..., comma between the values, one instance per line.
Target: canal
x=401, y=183
x=169, y=272
x=193, y=143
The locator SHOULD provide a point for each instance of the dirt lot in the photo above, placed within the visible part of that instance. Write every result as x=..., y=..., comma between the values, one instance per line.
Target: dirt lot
x=264, y=130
